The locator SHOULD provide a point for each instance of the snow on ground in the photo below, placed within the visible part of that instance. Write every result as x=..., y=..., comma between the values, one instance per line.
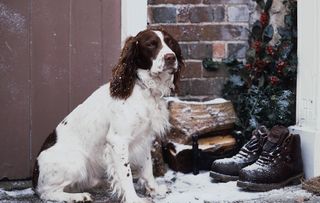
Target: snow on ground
x=189, y=188
x=16, y=193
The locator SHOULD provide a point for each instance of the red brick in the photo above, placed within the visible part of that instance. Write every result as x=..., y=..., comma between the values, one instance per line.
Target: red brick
x=162, y=14
x=200, y=14
x=192, y=70
x=202, y=87
x=238, y=13
x=207, y=86
x=196, y=50
x=237, y=50
x=183, y=87
x=152, y=2
x=218, y=50
x=227, y=1
x=183, y=14
x=206, y=32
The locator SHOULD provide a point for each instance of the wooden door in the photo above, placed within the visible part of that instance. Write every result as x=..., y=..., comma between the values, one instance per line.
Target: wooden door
x=53, y=54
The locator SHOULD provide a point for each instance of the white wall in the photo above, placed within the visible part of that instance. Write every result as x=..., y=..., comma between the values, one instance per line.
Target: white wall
x=133, y=17
x=308, y=87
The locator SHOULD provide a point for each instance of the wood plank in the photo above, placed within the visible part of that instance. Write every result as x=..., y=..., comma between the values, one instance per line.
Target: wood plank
x=50, y=67
x=111, y=35
x=86, y=56
x=14, y=91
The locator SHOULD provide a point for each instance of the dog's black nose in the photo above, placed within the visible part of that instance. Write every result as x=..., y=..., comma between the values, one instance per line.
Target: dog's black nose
x=169, y=59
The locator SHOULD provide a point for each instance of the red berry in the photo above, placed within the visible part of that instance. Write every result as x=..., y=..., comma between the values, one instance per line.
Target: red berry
x=270, y=50
x=257, y=46
x=280, y=66
x=260, y=65
x=274, y=80
x=248, y=66
x=264, y=19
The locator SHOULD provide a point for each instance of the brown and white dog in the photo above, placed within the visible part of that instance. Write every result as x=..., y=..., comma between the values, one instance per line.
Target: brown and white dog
x=112, y=130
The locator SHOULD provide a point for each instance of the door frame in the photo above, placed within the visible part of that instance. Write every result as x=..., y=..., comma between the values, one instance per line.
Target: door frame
x=308, y=85
x=133, y=18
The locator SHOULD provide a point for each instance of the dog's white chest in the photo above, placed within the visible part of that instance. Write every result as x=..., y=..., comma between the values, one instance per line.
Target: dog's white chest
x=152, y=116
x=159, y=118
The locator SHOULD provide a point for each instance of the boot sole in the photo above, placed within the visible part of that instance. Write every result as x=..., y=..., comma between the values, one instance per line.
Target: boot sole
x=222, y=177
x=266, y=187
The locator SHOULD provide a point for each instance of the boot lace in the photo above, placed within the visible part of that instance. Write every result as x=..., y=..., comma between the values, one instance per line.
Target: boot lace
x=271, y=155
x=251, y=147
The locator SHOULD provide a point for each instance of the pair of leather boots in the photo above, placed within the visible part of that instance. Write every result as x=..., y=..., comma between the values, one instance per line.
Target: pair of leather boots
x=270, y=160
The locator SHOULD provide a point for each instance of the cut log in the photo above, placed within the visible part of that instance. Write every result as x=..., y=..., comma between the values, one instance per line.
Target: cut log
x=180, y=156
x=199, y=118
x=209, y=144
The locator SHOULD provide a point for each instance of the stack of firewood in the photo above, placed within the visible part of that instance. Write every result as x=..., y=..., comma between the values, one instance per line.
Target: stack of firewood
x=206, y=126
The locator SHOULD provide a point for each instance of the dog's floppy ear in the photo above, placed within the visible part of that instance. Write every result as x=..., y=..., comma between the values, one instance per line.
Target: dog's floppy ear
x=181, y=67
x=124, y=73
x=174, y=46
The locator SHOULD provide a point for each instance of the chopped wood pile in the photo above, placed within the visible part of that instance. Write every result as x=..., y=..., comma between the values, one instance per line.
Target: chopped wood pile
x=211, y=122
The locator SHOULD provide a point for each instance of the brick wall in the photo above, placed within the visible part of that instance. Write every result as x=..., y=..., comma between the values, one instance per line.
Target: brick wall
x=204, y=28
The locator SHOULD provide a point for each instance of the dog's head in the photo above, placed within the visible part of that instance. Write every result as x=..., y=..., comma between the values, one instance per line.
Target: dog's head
x=153, y=50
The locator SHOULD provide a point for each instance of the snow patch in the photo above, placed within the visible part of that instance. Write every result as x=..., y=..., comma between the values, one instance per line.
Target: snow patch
x=181, y=147
x=214, y=101
x=17, y=193
x=199, y=188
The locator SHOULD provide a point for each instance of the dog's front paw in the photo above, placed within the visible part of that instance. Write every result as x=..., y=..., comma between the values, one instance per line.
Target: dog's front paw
x=158, y=190
x=138, y=200
x=82, y=198
x=146, y=200
x=161, y=190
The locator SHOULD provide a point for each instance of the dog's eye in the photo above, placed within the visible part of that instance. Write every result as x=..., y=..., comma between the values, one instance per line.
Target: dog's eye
x=152, y=44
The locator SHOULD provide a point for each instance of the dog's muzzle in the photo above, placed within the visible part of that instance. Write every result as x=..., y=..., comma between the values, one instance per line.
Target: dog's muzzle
x=170, y=62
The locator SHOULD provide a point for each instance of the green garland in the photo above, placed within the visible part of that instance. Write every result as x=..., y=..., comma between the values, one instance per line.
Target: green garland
x=263, y=89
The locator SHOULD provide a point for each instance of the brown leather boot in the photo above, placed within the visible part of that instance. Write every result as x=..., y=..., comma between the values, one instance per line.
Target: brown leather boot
x=279, y=164
x=227, y=169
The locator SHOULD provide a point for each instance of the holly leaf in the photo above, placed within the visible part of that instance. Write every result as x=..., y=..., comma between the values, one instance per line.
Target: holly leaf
x=251, y=55
x=288, y=20
x=256, y=30
x=261, y=81
x=268, y=59
x=267, y=34
x=210, y=65
x=285, y=50
x=284, y=33
x=294, y=32
x=231, y=62
x=261, y=3
x=268, y=5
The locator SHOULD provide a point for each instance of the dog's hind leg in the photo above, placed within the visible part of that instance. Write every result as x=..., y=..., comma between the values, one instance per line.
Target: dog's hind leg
x=59, y=172
x=56, y=190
